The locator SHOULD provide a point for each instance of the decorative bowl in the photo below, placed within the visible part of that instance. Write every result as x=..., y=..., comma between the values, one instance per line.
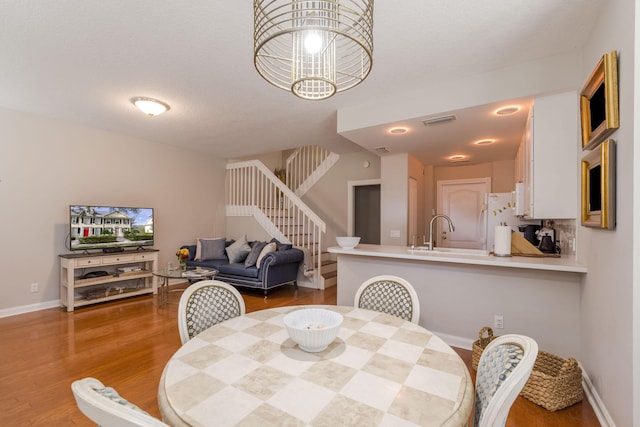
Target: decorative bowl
x=313, y=329
x=347, y=242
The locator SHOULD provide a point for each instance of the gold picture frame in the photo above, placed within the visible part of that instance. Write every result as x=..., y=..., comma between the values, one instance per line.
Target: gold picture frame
x=599, y=115
x=599, y=186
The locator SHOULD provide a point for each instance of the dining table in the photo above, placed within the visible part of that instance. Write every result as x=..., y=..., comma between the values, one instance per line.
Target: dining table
x=379, y=371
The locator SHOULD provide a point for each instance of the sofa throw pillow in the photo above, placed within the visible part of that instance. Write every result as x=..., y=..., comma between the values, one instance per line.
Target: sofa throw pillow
x=198, y=253
x=256, y=248
x=281, y=246
x=211, y=249
x=268, y=248
x=238, y=250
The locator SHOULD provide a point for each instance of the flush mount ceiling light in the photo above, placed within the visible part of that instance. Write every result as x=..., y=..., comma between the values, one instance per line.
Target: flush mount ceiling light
x=505, y=111
x=150, y=106
x=398, y=130
x=314, y=49
x=458, y=158
x=484, y=141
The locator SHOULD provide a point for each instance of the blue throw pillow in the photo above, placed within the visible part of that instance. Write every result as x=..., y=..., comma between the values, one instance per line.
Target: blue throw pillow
x=253, y=255
x=211, y=249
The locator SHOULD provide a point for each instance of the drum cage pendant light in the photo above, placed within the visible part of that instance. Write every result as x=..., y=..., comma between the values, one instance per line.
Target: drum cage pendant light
x=313, y=48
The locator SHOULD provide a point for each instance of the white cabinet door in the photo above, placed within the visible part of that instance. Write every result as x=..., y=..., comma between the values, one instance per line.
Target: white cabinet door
x=551, y=185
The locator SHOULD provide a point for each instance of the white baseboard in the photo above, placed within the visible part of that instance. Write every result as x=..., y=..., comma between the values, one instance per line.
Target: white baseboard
x=455, y=341
x=13, y=311
x=596, y=403
x=590, y=392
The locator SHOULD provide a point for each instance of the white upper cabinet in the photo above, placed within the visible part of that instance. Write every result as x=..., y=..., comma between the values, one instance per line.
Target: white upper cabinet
x=547, y=158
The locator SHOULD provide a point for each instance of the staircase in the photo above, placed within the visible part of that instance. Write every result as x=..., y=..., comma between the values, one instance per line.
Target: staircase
x=253, y=190
x=306, y=165
x=328, y=270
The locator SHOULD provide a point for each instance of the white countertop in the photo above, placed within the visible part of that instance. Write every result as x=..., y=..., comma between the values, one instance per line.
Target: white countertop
x=566, y=264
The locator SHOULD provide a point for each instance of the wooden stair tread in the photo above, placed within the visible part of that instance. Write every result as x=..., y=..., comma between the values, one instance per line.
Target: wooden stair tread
x=330, y=274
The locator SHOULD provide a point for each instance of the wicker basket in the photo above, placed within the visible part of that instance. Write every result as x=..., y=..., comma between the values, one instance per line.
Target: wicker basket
x=555, y=383
x=485, y=336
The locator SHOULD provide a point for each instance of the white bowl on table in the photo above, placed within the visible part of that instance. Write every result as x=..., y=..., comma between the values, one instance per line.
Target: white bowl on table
x=347, y=242
x=313, y=329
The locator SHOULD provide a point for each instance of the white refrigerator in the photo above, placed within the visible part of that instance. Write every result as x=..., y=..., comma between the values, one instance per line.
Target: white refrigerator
x=500, y=210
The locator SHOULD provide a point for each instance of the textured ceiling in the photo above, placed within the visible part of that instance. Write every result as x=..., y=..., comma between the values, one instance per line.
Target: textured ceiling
x=82, y=60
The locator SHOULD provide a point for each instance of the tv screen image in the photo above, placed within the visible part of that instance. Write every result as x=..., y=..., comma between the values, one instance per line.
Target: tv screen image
x=109, y=227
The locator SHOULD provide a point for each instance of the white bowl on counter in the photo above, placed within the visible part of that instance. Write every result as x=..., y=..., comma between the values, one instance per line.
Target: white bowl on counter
x=313, y=329
x=347, y=242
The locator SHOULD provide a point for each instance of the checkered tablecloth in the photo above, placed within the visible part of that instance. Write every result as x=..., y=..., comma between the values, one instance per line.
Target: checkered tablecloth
x=381, y=370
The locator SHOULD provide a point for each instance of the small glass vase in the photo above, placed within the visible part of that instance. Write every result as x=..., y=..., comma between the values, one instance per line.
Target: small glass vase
x=183, y=265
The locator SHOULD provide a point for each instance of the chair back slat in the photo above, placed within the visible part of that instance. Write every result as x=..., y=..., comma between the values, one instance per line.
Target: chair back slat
x=205, y=304
x=389, y=294
x=504, y=368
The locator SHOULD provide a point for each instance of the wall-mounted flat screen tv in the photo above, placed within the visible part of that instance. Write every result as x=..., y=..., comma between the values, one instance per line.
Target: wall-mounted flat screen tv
x=110, y=228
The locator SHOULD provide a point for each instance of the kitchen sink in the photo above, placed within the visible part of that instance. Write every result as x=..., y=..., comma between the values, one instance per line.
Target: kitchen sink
x=452, y=251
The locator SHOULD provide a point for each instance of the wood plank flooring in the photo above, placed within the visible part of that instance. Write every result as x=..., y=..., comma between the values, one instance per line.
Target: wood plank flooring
x=126, y=344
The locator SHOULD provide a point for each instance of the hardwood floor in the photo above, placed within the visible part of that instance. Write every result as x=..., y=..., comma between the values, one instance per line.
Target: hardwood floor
x=126, y=344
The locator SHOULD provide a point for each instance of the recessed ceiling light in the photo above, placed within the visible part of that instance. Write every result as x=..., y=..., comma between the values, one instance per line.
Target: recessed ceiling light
x=509, y=109
x=484, y=141
x=398, y=130
x=150, y=106
x=458, y=158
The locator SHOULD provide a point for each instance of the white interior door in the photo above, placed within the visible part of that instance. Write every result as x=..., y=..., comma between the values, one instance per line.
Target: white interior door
x=463, y=201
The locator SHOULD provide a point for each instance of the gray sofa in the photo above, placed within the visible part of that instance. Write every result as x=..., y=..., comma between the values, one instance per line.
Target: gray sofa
x=274, y=269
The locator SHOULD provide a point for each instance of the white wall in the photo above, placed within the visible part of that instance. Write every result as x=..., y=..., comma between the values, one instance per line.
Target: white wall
x=501, y=172
x=238, y=226
x=417, y=171
x=552, y=74
x=458, y=299
x=47, y=165
x=394, y=199
x=608, y=288
x=636, y=223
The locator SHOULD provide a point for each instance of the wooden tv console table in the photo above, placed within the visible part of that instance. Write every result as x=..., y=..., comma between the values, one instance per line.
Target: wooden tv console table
x=128, y=273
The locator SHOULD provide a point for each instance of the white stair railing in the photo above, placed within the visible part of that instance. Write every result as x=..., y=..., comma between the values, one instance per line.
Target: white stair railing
x=253, y=190
x=306, y=165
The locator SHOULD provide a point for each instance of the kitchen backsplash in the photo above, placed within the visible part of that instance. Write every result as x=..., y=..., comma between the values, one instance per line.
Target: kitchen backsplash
x=566, y=236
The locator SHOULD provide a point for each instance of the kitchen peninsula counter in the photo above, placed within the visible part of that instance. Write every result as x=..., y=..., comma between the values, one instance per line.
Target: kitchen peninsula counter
x=566, y=264
x=461, y=293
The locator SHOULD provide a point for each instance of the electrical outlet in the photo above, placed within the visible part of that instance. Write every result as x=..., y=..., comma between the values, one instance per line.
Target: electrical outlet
x=34, y=288
x=395, y=233
x=498, y=321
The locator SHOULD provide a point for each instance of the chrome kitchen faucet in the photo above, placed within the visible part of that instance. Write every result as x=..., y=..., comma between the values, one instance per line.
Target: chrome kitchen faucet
x=429, y=244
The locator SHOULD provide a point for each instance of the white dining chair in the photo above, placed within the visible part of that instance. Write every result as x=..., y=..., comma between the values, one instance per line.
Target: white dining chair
x=389, y=294
x=207, y=303
x=104, y=406
x=504, y=368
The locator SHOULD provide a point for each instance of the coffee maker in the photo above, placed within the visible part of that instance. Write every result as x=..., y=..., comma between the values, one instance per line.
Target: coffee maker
x=547, y=238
